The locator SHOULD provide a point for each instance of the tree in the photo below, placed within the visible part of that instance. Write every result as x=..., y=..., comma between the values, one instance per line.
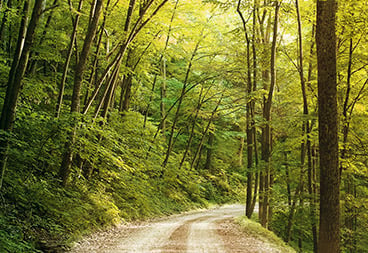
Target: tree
x=15, y=79
x=78, y=79
x=329, y=227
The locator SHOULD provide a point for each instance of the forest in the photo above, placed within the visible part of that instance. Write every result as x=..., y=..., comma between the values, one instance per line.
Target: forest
x=123, y=110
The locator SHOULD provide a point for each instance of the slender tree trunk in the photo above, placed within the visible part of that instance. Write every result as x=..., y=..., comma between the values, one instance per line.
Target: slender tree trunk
x=67, y=61
x=248, y=206
x=83, y=58
x=191, y=135
x=349, y=208
x=4, y=20
x=329, y=227
x=163, y=96
x=183, y=91
x=311, y=179
x=14, y=84
x=93, y=75
x=209, y=149
x=266, y=143
x=200, y=145
x=78, y=79
x=20, y=43
x=252, y=108
x=33, y=63
x=108, y=99
x=287, y=172
x=312, y=196
x=127, y=80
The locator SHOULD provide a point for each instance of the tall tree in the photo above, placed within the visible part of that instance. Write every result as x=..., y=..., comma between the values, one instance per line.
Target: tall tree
x=78, y=79
x=329, y=227
x=15, y=79
x=68, y=58
x=249, y=131
x=266, y=130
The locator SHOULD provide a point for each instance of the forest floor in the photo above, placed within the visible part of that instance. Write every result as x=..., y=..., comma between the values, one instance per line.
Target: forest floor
x=213, y=230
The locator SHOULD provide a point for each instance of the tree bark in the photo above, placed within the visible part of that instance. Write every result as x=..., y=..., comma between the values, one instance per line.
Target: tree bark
x=4, y=20
x=93, y=75
x=78, y=79
x=33, y=63
x=329, y=227
x=67, y=61
x=266, y=131
x=183, y=91
x=209, y=149
x=191, y=135
x=200, y=145
x=248, y=205
x=14, y=84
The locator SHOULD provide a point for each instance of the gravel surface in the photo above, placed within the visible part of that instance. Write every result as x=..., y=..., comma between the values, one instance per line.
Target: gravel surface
x=194, y=232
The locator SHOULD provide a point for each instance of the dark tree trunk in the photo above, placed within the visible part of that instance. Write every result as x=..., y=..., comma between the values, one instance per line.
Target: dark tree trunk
x=266, y=133
x=329, y=227
x=254, y=88
x=14, y=83
x=248, y=205
x=20, y=42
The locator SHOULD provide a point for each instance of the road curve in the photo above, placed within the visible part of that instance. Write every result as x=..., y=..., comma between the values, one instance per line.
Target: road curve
x=195, y=232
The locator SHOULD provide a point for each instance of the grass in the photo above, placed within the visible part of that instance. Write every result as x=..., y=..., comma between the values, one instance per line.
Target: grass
x=255, y=230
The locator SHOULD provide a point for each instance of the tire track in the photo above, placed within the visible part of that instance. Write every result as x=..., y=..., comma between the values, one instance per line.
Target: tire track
x=178, y=240
x=193, y=232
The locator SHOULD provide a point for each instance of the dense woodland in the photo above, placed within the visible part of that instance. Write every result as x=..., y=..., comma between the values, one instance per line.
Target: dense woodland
x=127, y=109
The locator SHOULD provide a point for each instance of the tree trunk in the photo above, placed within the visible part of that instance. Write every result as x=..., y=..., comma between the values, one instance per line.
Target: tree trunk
x=183, y=91
x=83, y=58
x=93, y=75
x=200, y=145
x=191, y=135
x=266, y=131
x=254, y=88
x=33, y=63
x=209, y=149
x=329, y=227
x=67, y=61
x=163, y=95
x=14, y=84
x=248, y=205
x=4, y=20
x=311, y=167
x=20, y=43
x=78, y=79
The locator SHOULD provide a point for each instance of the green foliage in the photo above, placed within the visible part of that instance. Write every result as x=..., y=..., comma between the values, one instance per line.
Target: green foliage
x=126, y=181
x=254, y=229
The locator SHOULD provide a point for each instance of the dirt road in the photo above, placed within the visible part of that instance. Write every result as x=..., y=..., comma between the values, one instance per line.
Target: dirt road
x=202, y=231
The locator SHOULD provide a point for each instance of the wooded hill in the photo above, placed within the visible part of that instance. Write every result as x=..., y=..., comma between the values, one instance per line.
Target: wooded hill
x=126, y=109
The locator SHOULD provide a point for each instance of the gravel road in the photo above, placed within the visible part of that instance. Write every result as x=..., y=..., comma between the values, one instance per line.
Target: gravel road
x=195, y=232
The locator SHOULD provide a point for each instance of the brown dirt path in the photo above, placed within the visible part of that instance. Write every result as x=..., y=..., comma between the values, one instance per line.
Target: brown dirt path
x=207, y=231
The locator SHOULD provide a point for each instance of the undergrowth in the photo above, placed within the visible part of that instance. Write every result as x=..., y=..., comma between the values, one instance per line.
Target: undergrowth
x=255, y=230
x=119, y=179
